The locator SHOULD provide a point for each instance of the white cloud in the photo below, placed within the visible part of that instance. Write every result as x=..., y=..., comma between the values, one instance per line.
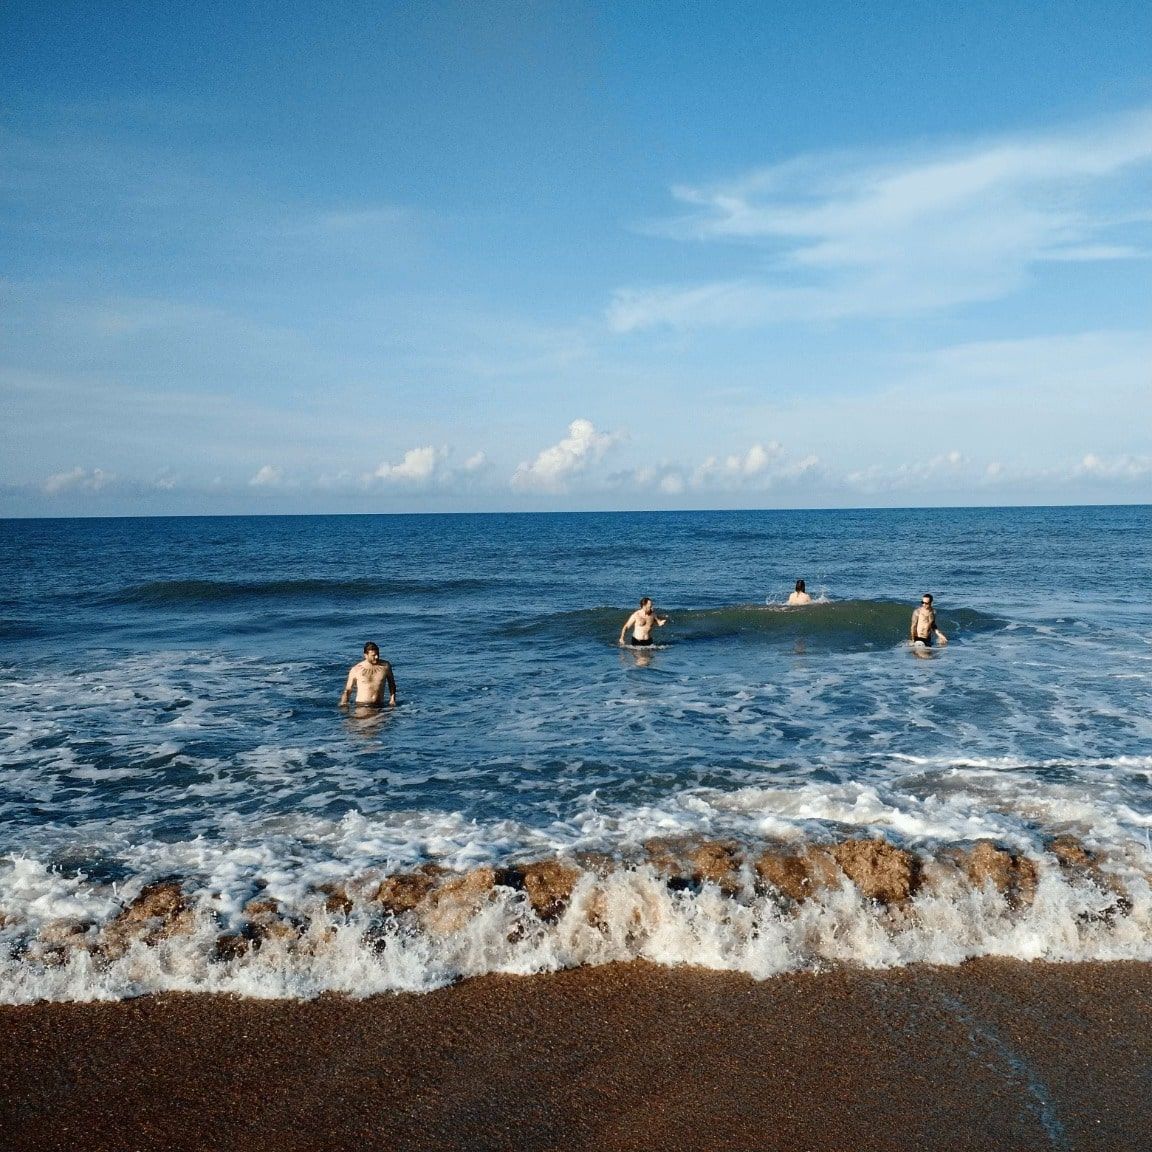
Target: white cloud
x=269, y=476
x=78, y=479
x=755, y=460
x=555, y=466
x=852, y=235
x=916, y=478
x=428, y=467
x=759, y=468
x=419, y=466
x=1115, y=467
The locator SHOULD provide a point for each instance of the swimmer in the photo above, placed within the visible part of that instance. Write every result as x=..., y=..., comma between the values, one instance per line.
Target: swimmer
x=368, y=679
x=642, y=621
x=800, y=596
x=923, y=628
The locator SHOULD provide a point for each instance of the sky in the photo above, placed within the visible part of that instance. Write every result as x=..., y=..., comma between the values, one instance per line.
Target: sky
x=503, y=255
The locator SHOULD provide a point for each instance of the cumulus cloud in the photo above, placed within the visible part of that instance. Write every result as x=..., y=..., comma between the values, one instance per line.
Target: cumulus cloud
x=865, y=235
x=428, y=467
x=755, y=460
x=1114, y=468
x=419, y=466
x=268, y=477
x=78, y=479
x=758, y=468
x=555, y=466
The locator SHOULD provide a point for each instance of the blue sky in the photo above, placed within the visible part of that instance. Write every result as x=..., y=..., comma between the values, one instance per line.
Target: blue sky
x=518, y=255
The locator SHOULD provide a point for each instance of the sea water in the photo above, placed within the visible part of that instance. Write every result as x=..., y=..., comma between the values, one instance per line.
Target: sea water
x=168, y=712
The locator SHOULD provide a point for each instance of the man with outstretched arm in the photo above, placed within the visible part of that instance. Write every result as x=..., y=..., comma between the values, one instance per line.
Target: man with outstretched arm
x=642, y=621
x=923, y=627
x=368, y=678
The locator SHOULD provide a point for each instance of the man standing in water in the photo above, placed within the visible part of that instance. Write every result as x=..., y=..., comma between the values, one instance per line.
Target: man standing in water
x=923, y=628
x=368, y=679
x=642, y=621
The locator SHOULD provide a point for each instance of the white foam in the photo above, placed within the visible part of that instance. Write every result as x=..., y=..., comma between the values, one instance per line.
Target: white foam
x=630, y=914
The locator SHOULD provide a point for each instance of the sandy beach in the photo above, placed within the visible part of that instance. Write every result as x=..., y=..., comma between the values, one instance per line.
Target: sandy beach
x=991, y=1054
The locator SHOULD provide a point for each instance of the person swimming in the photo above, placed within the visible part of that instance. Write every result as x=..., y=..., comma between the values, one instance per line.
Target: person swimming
x=800, y=595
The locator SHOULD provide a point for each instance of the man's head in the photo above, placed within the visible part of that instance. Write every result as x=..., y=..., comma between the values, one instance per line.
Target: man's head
x=926, y=600
x=372, y=651
x=645, y=601
x=800, y=586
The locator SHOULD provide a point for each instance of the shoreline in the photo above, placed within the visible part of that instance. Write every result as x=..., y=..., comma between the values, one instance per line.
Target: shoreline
x=992, y=1053
x=763, y=910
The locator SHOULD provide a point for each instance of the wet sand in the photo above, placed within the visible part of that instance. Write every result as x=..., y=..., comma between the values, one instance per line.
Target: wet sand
x=991, y=1055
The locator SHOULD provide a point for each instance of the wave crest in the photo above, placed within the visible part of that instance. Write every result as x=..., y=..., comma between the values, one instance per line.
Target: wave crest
x=761, y=910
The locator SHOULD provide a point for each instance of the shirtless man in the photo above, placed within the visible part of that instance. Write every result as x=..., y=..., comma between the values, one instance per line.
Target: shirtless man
x=923, y=627
x=800, y=596
x=368, y=679
x=642, y=621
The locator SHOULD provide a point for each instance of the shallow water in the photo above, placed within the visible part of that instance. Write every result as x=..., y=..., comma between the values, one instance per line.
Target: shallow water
x=168, y=708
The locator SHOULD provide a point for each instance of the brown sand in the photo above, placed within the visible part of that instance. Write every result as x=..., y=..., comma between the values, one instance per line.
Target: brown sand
x=991, y=1055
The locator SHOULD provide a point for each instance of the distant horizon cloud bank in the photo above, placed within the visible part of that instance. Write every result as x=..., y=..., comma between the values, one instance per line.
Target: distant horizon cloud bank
x=760, y=475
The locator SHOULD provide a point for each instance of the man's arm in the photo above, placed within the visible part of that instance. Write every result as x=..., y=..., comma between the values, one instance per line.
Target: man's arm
x=391, y=682
x=349, y=685
x=627, y=624
x=912, y=626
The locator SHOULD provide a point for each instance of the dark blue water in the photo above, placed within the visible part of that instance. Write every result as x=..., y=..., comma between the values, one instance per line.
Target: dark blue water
x=168, y=687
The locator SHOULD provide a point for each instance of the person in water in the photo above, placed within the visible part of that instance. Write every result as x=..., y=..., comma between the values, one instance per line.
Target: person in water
x=368, y=678
x=923, y=628
x=642, y=621
x=800, y=596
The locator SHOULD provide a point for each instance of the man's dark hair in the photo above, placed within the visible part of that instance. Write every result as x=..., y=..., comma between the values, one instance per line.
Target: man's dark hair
x=800, y=586
x=371, y=646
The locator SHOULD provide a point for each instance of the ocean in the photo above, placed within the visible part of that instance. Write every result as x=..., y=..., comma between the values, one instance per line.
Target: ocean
x=183, y=806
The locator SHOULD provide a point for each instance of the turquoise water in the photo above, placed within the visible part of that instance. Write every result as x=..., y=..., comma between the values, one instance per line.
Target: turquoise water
x=168, y=690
